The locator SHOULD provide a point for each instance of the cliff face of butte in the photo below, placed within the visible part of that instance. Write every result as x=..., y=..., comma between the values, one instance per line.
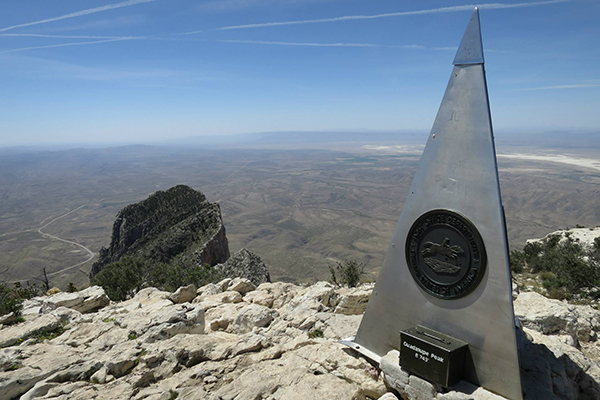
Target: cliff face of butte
x=176, y=222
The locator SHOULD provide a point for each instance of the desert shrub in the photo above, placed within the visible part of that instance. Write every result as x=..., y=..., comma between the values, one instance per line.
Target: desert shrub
x=11, y=298
x=347, y=273
x=517, y=261
x=175, y=274
x=124, y=278
x=564, y=266
x=315, y=333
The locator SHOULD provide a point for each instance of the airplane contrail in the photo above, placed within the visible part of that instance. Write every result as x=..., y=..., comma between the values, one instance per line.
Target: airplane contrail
x=60, y=36
x=394, y=14
x=305, y=43
x=574, y=86
x=70, y=44
x=79, y=13
x=266, y=42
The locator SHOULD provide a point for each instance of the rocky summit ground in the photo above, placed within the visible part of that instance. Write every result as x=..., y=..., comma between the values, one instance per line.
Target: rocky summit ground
x=233, y=340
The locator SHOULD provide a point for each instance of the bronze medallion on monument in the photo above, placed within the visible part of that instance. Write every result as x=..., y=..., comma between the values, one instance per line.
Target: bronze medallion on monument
x=445, y=254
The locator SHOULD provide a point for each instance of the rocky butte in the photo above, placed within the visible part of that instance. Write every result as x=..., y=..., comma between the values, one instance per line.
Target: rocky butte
x=176, y=222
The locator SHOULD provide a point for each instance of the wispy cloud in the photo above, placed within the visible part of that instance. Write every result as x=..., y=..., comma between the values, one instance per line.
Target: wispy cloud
x=225, y=5
x=79, y=13
x=395, y=14
x=20, y=63
x=189, y=33
x=39, y=35
x=304, y=43
x=70, y=44
x=574, y=86
x=312, y=44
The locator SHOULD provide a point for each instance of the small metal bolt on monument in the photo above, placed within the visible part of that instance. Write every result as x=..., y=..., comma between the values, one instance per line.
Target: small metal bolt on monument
x=443, y=295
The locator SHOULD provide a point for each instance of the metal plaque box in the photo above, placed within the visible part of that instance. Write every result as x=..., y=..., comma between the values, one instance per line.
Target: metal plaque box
x=432, y=355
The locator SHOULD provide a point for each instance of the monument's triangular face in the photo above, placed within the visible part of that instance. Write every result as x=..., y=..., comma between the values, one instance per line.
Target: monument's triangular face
x=447, y=266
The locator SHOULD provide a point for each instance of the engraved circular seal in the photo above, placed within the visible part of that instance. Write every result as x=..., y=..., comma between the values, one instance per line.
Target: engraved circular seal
x=445, y=254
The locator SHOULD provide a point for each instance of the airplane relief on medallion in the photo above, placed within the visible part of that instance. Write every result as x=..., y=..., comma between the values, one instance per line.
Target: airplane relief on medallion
x=445, y=254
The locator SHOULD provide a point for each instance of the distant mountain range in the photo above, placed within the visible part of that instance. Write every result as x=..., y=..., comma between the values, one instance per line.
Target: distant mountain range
x=300, y=138
x=552, y=139
x=314, y=139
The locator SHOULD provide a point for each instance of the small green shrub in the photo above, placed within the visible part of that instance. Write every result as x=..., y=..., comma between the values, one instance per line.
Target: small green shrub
x=14, y=367
x=517, y=261
x=47, y=333
x=11, y=298
x=173, y=394
x=315, y=333
x=347, y=273
x=563, y=265
x=124, y=278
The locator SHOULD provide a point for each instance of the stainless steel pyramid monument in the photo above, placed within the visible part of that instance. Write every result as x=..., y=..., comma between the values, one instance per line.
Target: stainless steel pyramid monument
x=447, y=266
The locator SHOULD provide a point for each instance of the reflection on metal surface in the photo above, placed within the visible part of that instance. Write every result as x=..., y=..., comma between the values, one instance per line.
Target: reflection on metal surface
x=457, y=181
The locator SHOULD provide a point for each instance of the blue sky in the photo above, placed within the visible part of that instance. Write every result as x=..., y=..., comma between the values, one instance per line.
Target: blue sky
x=147, y=70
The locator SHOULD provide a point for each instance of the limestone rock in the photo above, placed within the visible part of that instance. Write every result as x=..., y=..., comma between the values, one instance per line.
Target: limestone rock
x=353, y=301
x=183, y=294
x=253, y=316
x=224, y=284
x=260, y=297
x=314, y=299
x=337, y=326
x=8, y=319
x=211, y=289
x=265, y=344
x=87, y=300
x=220, y=317
x=215, y=300
x=13, y=334
x=245, y=264
x=554, y=317
x=281, y=292
x=241, y=285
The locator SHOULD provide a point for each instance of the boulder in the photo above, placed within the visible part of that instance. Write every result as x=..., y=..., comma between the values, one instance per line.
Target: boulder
x=281, y=292
x=353, y=301
x=252, y=316
x=87, y=300
x=220, y=317
x=554, y=317
x=260, y=297
x=215, y=300
x=241, y=285
x=183, y=294
x=211, y=289
x=245, y=264
x=314, y=299
x=8, y=319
